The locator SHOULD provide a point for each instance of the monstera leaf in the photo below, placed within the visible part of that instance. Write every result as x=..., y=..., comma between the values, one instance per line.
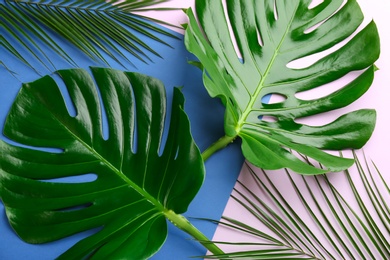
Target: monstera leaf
x=269, y=35
x=138, y=180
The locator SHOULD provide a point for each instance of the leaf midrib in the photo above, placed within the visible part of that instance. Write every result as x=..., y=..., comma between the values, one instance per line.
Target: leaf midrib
x=132, y=184
x=255, y=96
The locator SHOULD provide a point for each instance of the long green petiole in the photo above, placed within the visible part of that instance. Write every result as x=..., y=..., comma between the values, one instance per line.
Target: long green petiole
x=181, y=222
x=218, y=145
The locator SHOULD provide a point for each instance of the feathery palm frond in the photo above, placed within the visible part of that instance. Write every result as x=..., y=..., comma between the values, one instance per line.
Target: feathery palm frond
x=94, y=27
x=329, y=223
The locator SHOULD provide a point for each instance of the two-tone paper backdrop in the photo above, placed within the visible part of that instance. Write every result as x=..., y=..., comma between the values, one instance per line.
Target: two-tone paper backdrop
x=206, y=117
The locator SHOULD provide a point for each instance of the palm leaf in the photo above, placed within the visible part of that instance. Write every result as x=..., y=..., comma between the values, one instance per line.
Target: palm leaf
x=269, y=35
x=138, y=181
x=329, y=223
x=94, y=27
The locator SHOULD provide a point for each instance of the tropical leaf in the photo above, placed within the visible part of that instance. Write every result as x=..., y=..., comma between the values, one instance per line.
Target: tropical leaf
x=349, y=221
x=94, y=27
x=137, y=178
x=269, y=35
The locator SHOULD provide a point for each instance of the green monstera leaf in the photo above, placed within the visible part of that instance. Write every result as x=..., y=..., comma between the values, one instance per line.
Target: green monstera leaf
x=269, y=35
x=139, y=181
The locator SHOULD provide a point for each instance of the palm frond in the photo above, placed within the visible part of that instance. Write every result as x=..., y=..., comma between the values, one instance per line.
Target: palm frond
x=311, y=217
x=98, y=28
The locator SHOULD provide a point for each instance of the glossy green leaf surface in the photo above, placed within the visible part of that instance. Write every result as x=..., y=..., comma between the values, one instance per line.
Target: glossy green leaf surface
x=269, y=35
x=138, y=177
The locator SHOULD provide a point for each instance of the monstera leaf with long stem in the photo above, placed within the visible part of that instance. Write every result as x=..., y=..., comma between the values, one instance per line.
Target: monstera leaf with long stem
x=138, y=181
x=269, y=35
x=93, y=27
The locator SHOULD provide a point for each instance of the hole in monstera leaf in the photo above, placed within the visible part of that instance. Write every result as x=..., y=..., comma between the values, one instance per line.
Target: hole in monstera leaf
x=104, y=127
x=134, y=147
x=177, y=153
x=232, y=37
x=273, y=98
x=165, y=130
x=276, y=15
x=42, y=149
x=75, y=208
x=309, y=60
x=270, y=119
x=259, y=38
x=105, y=130
x=315, y=3
x=314, y=27
x=320, y=120
x=72, y=109
x=164, y=136
x=329, y=88
x=305, y=62
x=65, y=94
x=83, y=178
x=265, y=99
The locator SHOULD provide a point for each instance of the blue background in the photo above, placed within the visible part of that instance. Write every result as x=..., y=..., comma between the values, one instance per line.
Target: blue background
x=206, y=116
